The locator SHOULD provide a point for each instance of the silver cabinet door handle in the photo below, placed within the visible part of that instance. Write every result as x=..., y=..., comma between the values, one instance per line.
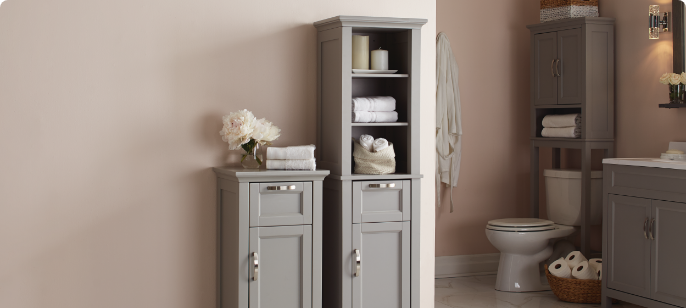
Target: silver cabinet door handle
x=557, y=67
x=358, y=263
x=652, y=222
x=390, y=185
x=645, y=225
x=256, y=266
x=291, y=187
x=552, y=69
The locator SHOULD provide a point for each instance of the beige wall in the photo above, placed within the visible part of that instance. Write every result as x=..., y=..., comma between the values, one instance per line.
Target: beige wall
x=491, y=46
x=109, y=121
x=494, y=176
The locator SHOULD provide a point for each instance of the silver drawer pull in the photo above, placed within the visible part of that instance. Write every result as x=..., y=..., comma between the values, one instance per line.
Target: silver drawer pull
x=291, y=187
x=650, y=229
x=358, y=263
x=389, y=185
x=256, y=269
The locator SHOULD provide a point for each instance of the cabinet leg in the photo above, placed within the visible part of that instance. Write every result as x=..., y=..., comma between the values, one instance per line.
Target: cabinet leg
x=586, y=199
x=605, y=302
x=534, y=182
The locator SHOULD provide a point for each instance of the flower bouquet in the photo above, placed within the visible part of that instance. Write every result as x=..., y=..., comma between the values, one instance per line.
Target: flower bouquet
x=677, y=85
x=243, y=131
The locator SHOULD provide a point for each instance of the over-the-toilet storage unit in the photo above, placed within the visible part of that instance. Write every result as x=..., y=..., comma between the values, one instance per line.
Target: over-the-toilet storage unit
x=371, y=230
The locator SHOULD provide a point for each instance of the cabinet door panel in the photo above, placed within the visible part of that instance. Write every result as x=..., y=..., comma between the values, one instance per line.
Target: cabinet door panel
x=545, y=83
x=284, y=278
x=628, y=250
x=280, y=204
x=669, y=248
x=570, y=81
x=384, y=279
x=380, y=204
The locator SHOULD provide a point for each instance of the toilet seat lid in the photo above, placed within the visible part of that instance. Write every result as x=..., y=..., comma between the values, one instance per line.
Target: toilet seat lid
x=520, y=223
x=520, y=229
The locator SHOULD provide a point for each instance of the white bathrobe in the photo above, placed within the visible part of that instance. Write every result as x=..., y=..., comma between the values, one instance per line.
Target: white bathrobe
x=448, y=118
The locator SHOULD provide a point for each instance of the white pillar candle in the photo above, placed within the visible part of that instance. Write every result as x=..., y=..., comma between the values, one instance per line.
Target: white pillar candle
x=380, y=59
x=360, y=52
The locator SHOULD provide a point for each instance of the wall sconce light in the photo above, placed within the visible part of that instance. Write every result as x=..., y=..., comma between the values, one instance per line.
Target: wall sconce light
x=655, y=22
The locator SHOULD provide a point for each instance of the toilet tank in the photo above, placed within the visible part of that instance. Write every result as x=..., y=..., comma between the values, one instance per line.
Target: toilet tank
x=563, y=196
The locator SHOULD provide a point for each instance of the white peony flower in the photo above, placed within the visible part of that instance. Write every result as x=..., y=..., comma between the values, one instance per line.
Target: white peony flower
x=675, y=79
x=238, y=128
x=683, y=78
x=664, y=79
x=265, y=132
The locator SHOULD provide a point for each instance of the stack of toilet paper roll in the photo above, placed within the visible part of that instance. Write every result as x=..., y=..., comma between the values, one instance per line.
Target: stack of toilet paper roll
x=576, y=266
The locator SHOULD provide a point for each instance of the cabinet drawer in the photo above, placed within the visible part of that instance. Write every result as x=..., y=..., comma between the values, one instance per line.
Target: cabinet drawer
x=280, y=204
x=381, y=201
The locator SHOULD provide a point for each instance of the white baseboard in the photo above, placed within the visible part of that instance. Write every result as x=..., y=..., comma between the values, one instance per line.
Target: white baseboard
x=467, y=265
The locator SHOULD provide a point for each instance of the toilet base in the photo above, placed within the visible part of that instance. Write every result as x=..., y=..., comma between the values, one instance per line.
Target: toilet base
x=520, y=274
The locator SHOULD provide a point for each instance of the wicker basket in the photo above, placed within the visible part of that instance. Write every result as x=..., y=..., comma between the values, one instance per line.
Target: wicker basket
x=575, y=290
x=561, y=9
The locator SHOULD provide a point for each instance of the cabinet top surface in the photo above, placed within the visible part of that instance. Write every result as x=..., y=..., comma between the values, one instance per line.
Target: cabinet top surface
x=367, y=21
x=241, y=174
x=647, y=162
x=573, y=22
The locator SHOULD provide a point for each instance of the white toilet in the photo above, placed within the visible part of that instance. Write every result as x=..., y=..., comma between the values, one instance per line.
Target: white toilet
x=525, y=242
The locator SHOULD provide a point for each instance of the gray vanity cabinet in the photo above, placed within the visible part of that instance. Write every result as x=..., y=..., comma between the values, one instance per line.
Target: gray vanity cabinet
x=628, y=254
x=668, y=264
x=381, y=265
x=269, y=238
x=644, y=236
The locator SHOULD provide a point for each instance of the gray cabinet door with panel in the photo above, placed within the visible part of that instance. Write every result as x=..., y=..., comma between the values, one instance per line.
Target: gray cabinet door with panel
x=545, y=61
x=628, y=253
x=568, y=67
x=281, y=267
x=379, y=201
x=669, y=249
x=381, y=265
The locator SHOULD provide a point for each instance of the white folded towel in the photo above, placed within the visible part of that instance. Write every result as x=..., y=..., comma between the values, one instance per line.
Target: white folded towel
x=562, y=120
x=375, y=116
x=291, y=164
x=380, y=144
x=366, y=142
x=292, y=152
x=561, y=132
x=374, y=103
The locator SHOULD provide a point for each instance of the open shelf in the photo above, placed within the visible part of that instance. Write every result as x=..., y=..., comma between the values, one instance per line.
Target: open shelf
x=381, y=124
x=381, y=75
x=540, y=113
x=672, y=105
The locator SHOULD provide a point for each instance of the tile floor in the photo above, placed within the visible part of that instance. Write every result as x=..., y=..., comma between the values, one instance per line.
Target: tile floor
x=479, y=292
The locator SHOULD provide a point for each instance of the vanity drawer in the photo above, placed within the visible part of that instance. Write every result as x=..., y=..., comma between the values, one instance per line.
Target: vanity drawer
x=381, y=201
x=656, y=183
x=280, y=204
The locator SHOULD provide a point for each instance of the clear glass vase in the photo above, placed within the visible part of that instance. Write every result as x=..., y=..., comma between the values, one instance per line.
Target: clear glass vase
x=252, y=158
x=676, y=94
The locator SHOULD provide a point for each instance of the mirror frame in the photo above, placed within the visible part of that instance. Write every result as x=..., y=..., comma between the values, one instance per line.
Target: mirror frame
x=678, y=36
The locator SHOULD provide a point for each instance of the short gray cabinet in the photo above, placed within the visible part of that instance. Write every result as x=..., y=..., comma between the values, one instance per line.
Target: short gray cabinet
x=269, y=238
x=644, y=241
x=669, y=250
x=628, y=256
x=381, y=265
x=281, y=267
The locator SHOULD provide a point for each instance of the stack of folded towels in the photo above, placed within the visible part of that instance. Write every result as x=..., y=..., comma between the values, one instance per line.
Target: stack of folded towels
x=576, y=266
x=291, y=158
x=374, y=109
x=562, y=126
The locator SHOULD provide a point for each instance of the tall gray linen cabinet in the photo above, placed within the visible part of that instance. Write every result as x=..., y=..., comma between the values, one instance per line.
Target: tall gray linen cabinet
x=371, y=222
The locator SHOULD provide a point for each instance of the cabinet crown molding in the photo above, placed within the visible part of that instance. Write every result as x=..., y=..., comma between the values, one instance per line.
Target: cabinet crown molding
x=372, y=22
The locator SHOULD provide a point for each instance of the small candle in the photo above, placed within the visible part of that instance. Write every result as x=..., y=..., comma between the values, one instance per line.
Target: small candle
x=361, y=52
x=380, y=59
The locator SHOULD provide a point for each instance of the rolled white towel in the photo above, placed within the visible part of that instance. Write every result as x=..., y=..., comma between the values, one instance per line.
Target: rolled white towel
x=561, y=132
x=366, y=141
x=562, y=120
x=375, y=116
x=374, y=103
x=574, y=258
x=292, y=164
x=379, y=144
x=292, y=152
x=560, y=269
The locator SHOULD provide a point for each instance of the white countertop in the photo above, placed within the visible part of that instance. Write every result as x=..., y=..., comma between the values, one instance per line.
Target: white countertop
x=647, y=162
